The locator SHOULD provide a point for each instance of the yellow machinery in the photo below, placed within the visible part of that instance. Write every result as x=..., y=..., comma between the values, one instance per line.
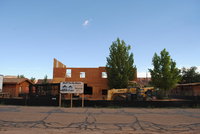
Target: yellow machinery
x=111, y=92
x=141, y=93
x=145, y=93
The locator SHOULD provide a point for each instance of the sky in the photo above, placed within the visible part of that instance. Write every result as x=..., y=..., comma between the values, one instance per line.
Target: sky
x=79, y=33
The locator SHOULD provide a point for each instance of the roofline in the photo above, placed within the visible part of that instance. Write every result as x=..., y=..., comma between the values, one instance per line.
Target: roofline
x=25, y=79
x=10, y=83
x=85, y=67
x=189, y=84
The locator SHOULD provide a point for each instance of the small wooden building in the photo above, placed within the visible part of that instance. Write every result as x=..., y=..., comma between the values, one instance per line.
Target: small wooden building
x=189, y=89
x=16, y=87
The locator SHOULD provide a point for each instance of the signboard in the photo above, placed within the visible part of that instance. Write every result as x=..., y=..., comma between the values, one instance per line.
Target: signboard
x=71, y=87
x=1, y=83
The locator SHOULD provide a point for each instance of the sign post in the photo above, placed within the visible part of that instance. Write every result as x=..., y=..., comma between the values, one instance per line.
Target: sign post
x=71, y=87
x=60, y=99
x=83, y=100
x=71, y=101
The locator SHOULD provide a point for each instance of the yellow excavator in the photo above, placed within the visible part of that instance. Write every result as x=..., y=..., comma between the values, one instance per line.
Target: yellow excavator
x=134, y=93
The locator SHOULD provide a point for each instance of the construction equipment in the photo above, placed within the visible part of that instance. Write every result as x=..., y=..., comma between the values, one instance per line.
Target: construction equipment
x=139, y=94
x=145, y=93
x=113, y=92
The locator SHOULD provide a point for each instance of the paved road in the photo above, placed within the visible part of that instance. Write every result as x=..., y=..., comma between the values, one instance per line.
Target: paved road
x=54, y=120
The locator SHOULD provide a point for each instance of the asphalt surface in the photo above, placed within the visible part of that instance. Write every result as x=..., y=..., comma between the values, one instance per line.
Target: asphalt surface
x=55, y=120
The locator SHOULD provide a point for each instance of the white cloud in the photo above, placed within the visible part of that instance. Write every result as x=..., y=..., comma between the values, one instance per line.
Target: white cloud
x=86, y=23
x=198, y=69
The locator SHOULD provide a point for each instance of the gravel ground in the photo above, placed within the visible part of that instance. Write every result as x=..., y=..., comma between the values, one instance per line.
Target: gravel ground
x=55, y=120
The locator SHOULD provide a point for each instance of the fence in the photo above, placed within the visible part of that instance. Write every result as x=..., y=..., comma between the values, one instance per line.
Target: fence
x=101, y=103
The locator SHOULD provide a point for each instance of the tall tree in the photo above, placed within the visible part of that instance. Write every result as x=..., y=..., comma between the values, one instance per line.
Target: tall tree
x=190, y=75
x=20, y=76
x=119, y=67
x=45, y=80
x=164, y=75
x=32, y=79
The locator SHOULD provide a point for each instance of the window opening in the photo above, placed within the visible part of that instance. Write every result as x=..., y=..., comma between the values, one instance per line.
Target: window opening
x=104, y=75
x=104, y=92
x=69, y=73
x=82, y=74
x=87, y=90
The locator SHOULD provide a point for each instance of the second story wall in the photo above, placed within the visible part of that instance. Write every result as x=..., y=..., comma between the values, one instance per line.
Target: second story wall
x=90, y=76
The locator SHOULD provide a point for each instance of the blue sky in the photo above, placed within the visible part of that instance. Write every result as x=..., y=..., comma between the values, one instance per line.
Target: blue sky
x=79, y=33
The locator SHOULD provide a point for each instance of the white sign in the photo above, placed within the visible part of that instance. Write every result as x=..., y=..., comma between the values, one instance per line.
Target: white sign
x=71, y=87
x=1, y=83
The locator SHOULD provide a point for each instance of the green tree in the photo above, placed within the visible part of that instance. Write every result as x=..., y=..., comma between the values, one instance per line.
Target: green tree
x=164, y=75
x=119, y=67
x=20, y=76
x=45, y=80
x=32, y=79
x=190, y=75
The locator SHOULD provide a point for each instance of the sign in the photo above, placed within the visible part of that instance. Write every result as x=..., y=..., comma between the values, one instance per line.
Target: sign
x=1, y=83
x=71, y=87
